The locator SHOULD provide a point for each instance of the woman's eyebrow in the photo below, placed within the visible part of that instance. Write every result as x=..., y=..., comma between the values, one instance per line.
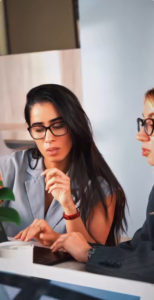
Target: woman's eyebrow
x=56, y=119
x=151, y=115
x=51, y=121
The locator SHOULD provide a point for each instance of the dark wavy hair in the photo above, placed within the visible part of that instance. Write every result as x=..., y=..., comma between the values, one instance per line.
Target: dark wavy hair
x=88, y=165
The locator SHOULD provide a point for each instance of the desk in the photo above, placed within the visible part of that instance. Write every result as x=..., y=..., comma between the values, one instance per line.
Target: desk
x=74, y=273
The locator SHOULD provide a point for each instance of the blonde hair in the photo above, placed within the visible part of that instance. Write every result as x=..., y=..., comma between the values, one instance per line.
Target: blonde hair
x=149, y=96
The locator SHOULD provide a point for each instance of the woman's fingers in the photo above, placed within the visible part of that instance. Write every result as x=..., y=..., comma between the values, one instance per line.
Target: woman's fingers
x=18, y=235
x=42, y=241
x=48, y=173
x=57, y=246
x=57, y=180
x=49, y=237
x=28, y=233
x=57, y=186
x=46, y=236
x=75, y=244
x=32, y=233
x=40, y=231
x=23, y=234
x=34, y=230
x=59, y=243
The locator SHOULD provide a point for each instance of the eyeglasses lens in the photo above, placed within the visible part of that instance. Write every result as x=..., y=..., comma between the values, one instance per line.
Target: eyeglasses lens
x=148, y=125
x=57, y=129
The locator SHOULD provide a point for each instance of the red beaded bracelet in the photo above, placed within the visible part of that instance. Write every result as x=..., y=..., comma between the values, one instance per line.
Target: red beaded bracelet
x=71, y=217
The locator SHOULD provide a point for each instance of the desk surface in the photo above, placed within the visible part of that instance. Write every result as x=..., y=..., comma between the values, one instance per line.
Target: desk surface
x=74, y=273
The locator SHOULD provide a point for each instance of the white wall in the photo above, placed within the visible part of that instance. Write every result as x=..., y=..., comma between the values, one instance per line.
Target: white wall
x=117, y=53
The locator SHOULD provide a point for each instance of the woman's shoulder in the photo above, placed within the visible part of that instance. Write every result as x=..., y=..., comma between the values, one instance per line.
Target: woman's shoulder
x=12, y=164
x=16, y=157
x=103, y=184
x=150, y=206
x=102, y=181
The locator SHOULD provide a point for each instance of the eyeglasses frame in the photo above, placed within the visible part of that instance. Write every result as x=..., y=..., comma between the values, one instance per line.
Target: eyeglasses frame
x=143, y=122
x=46, y=128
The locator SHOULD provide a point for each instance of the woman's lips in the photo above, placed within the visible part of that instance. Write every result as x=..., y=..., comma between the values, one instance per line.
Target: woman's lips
x=52, y=151
x=145, y=152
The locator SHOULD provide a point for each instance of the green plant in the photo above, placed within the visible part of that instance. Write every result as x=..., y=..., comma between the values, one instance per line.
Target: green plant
x=8, y=214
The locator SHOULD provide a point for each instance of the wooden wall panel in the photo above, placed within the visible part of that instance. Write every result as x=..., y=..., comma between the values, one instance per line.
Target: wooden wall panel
x=19, y=73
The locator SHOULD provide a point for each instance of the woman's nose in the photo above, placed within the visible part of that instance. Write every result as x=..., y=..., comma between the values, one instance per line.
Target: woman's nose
x=49, y=136
x=142, y=136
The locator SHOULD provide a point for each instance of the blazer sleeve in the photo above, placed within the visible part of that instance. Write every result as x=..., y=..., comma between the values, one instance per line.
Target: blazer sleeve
x=150, y=207
x=104, y=256
x=7, y=170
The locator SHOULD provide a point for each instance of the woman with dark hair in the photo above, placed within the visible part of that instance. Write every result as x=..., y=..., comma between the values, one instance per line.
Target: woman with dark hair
x=77, y=190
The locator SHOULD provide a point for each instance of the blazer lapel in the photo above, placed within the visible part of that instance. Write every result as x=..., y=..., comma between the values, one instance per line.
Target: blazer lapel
x=35, y=188
x=54, y=214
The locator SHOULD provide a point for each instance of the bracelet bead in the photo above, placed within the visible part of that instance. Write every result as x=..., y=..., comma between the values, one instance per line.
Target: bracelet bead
x=71, y=217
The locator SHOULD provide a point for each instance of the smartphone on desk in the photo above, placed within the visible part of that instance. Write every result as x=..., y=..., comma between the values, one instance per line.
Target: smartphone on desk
x=45, y=256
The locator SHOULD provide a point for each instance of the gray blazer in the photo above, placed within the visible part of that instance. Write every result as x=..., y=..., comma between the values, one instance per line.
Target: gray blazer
x=29, y=190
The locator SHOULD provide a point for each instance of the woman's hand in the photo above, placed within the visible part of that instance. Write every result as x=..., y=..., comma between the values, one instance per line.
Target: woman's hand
x=73, y=243
x=59, y=185
x=40, y=231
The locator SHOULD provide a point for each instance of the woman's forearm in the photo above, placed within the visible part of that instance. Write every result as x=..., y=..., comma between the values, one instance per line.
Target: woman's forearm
x=76, y=224
x=99, y=224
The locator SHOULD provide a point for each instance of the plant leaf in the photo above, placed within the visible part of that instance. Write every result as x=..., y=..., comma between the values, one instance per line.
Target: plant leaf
x=8, y=214
x=1, y=183
x=6, y=194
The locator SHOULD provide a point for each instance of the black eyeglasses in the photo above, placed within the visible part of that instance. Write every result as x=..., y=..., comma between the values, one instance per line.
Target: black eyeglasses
x=148, y=125
x=38, y=132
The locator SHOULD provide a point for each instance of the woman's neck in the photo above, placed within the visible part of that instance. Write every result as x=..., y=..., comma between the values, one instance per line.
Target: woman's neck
x=61, y=165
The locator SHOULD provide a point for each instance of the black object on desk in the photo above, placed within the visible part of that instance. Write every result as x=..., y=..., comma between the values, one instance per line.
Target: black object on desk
x=3, y=237
x=45, y=256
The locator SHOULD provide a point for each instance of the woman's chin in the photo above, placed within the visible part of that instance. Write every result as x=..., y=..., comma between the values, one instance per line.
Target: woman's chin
x=150, y=160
